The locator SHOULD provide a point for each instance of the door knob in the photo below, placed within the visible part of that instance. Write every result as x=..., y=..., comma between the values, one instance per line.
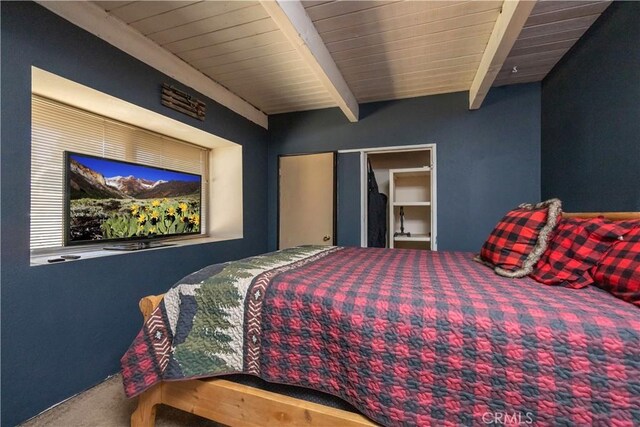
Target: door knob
x=326, y=238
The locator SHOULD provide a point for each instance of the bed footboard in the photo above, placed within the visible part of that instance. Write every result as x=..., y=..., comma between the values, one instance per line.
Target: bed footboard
x=234, y=404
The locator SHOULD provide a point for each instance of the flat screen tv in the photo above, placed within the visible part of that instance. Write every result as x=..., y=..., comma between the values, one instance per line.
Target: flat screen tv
x=115, y=201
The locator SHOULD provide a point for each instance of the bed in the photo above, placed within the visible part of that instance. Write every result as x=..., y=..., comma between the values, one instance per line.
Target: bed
x=406, y=337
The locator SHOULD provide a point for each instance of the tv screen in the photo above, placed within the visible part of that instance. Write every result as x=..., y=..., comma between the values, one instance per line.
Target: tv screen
x=111, y=200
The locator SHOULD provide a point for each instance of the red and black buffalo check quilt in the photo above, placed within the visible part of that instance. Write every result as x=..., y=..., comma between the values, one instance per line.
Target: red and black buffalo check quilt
x=433, y=338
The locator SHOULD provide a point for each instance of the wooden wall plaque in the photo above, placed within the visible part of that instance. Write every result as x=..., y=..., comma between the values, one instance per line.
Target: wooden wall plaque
x=182, y=102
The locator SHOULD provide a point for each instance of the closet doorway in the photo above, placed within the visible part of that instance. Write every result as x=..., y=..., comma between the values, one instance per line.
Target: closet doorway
x=407, y=176
x=306, y=199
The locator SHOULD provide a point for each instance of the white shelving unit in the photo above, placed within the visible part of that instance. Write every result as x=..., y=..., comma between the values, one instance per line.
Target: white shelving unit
x=410, y=189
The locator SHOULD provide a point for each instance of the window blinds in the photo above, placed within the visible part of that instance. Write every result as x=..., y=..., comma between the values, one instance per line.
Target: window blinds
x=56, y=128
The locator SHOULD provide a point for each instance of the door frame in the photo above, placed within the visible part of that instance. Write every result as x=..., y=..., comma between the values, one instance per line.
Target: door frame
x=334, y=237
x=364, y=189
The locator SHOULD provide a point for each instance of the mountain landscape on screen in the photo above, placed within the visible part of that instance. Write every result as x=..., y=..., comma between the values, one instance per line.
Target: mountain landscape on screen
x=110, y=200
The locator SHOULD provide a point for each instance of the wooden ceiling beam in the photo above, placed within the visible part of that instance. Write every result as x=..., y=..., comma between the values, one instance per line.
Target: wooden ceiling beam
x=295, y=24
x=505, y=32
x=95, y=20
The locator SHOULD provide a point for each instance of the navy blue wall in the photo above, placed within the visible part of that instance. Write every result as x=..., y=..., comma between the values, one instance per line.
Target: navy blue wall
x=591, y=117
x=488, y=159
x=65, y=326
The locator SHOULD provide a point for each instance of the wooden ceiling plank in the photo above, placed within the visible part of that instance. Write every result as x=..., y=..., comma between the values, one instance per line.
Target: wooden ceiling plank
x=444, y=18
x=209, y=25
x=264, y=70
x=470, y=61
x=255, y=62
x=258, y=79
x=471, y=55
x=549, y=6
x=321, y=96
x=507, y=29
x=541, y=66
x=517, y=80
x=455, y=48
x=95, y=20
x=569, y=13
x=418, y=82
x=466, y=25
x=188, y=14
x=421, y=77
x=274, y=79
x=581, y=23
x=257, y=92
x=301, y=104
x=305, y=108
x=412, y=94
x=479, y=34
x=385, y=11
x=549, y=38
x=337, y=8
x=255, y=41
x=542, y=47
x=242, y=55
x=289, y=89
x=217, y=37
x=291, y=18
x=533, y=58
x=191, y=13
x=138, y=10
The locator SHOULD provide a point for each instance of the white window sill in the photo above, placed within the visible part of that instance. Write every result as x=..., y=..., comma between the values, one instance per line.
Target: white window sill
x=97, y=251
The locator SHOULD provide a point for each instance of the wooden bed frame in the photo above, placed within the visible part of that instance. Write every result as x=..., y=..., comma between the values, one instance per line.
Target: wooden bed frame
x=235, y=404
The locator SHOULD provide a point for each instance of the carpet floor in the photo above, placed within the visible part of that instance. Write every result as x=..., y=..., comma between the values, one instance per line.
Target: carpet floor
x=105, y=405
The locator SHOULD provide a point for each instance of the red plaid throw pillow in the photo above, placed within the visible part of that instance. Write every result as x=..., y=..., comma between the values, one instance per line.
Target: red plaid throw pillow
x=575, y=247
x=520, y=238
x=618, y=272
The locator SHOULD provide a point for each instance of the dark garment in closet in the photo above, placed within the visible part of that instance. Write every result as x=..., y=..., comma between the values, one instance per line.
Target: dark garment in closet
x=376, y=213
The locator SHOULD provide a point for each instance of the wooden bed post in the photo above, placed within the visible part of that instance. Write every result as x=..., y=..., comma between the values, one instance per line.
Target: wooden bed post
x=145, y=413
x=148, y=304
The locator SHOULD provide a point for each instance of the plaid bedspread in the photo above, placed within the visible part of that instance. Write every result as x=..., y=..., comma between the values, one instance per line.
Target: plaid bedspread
x=408, y=337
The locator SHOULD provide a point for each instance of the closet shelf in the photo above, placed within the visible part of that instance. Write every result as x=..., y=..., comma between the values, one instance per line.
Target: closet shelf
x=411, y=203
x=413, y=238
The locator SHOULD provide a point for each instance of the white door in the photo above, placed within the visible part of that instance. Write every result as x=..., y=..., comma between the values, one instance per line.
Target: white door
x=306, y=207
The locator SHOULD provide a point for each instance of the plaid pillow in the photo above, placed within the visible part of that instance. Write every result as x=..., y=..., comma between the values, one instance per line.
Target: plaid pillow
x=575, y=247
x=618, y=272
x=520, y=238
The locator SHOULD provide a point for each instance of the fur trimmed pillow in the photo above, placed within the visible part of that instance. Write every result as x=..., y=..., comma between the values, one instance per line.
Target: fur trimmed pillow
x=618, y=272
x=518, y=241
x=575, y=247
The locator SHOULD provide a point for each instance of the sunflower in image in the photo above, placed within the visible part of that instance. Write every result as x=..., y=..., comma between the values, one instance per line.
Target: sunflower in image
x=171, y=213
x=155, y=217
